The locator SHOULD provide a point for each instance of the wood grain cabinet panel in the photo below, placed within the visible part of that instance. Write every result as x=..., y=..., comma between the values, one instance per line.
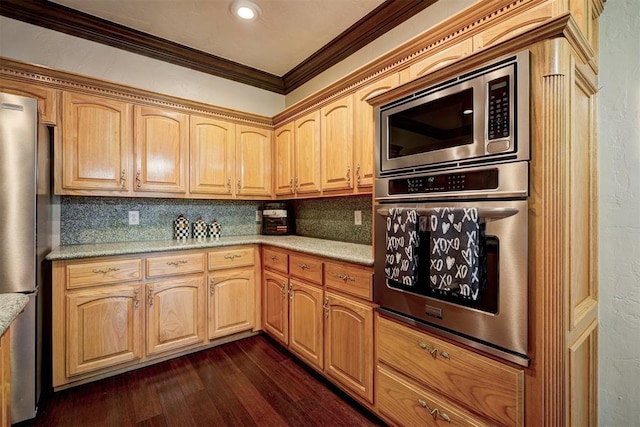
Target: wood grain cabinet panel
x=5, y=379
x=348, y=348
x=47, y=98
x=212, y=163
x=231, y=302
x=307, y=179
x=103, y=328
x=253, y=161
x=231, y=258
x=284, y=160
x=275, y=259
x=161, y=150
x=275, y=306
x=175, y=314
x=103, y=272
x=96, y=145
x=349, y=278
x=337, y=145
x=305, y=322
x=306, y=268
x=175, y=264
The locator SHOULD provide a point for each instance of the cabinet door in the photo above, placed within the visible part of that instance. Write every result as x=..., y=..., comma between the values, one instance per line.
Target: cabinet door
x=337, y=145
x=46, y=97
x=104, y=327
x=231, y=302
x=212, y=144
x=307, y=177
x=253, y=161
x=348, y=353
x=96, y=144
x=284, y=160
x=275, y=306
x=175, y=314
x=161, y=150
x=364, y=129
x=5, y=379
x=305, y=322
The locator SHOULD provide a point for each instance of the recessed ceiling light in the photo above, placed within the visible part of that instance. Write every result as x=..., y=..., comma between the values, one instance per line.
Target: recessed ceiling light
x=245, y=9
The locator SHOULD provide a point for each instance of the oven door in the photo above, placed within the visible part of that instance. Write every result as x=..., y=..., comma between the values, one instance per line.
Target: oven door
x=495, y=320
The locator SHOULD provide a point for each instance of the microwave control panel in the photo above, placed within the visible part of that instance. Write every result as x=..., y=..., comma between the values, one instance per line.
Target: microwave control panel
x=446, y=182
x=498, y=115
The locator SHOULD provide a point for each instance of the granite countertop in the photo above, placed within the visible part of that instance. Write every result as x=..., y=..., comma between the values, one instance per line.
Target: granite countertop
x=349, y=252
x=10, y=306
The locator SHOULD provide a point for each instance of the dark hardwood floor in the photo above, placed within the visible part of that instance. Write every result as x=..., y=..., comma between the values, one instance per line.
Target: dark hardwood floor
x=251, y=382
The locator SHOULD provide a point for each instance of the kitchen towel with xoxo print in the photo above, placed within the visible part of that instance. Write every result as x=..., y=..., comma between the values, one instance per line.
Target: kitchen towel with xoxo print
x=456, y=252
x=402, y=246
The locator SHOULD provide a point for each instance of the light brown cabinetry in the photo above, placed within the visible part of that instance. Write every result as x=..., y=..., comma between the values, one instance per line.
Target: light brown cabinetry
x=95, y=151
x=284, y=160
x=112, y=314
x=232, y=291
x=364, y=135
x=307, y=154
x=212, y=145
x=161, y=150
x=47, y=98
x=319, y=319
x=464, y=381
x=337, y=144
x=5, y=379
x=253, y=161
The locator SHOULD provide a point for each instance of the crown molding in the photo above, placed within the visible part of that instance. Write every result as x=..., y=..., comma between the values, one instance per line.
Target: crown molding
x=56, y=17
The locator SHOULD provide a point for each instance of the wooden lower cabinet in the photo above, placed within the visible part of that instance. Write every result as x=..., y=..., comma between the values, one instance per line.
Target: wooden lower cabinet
x=231, y=302
x=275, y=306
x=463, y=381
x=348, y=348
x=103, y=327
x=5, y=379
x=305, y=322
x=113, y=314
x=175, y=314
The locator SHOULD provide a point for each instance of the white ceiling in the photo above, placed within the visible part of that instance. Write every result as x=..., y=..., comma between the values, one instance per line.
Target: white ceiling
x=286, y=33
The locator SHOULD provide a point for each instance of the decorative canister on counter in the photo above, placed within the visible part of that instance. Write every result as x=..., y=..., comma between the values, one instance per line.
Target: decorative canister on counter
x=215, y=229
x=199, y=228
x=181, y=227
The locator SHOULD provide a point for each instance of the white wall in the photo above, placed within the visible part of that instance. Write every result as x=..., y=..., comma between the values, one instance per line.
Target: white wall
x=32, y=44
x=619, y=228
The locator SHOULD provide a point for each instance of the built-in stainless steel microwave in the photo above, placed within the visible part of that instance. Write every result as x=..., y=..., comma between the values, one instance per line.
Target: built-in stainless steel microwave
x=479, y=117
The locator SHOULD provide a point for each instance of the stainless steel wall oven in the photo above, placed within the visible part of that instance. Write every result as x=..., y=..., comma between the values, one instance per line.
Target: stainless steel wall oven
x=451, y=247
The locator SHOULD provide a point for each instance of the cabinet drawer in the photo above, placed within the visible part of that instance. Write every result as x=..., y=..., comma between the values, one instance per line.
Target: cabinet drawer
x=488, y=387
x=410, y=405
x=103, y=272
x=174, y=265
x=275, y=259
x=307, y=268
x=231, y=258
x=350, y=279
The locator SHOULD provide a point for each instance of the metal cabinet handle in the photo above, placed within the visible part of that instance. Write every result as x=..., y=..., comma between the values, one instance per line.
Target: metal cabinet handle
x=138, y=180
x=123, y=179
x=232, y=256
x=291, y=291
x=238, y=187
x=212, y=287
x=291, y=187
x=345, y=277
x=348, y=176
x=283, y=290
x=434, y=351
x=487, y=213
x=150, y=296
x=434, y=411
x=304, y=266
x=358, y=179
x=274, y=258
x=136, y=299
x=177, y=263
x=229, y=185
x=105, y=271
x=296, y=185
x=325, y=307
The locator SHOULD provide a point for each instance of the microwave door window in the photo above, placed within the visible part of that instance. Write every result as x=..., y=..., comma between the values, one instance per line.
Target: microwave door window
x=446, y=122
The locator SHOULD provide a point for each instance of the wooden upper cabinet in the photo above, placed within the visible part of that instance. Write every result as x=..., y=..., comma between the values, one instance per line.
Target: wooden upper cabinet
x=96, y=144
x=46, y=97
x=283, y=165
x=337, y=145
x=364, y=129
x=212, y=144
x=253, y=161
x=161, y=150
x=307, y=138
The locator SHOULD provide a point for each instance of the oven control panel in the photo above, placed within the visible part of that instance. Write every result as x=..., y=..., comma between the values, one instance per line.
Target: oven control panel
x=446, y=182
x=499, y=119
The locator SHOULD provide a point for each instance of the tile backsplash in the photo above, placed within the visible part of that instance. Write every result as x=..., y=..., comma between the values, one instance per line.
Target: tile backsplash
x=106, y=219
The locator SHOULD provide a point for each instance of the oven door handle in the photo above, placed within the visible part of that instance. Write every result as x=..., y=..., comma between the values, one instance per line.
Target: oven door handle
x=487, y=213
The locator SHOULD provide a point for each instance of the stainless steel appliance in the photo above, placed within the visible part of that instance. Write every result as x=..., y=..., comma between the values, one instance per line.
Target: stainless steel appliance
x=24, y=240
x=480, y=116
x=277, y=219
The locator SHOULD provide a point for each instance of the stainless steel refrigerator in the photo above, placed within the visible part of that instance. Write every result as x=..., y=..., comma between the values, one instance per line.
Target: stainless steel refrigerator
x=25, y=236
